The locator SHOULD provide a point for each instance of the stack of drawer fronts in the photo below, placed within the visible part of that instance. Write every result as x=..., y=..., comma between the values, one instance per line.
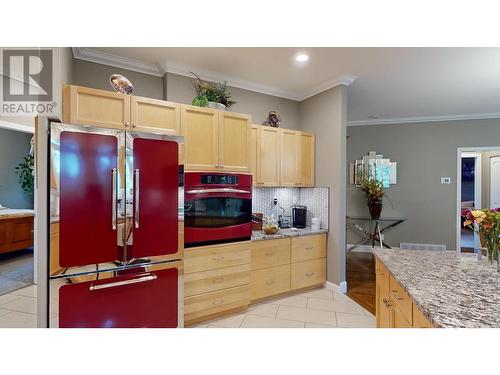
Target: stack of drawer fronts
x=216, y=280
x=283, y=265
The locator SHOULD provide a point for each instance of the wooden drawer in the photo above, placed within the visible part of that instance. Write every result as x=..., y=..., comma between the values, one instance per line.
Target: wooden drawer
x=211, y=303
x=211, y=281
x=401, y=299
x=208, y=258
x=419, y=319
x=308, y=247
x=269, y=281
x=268, y=253
x=308, y=273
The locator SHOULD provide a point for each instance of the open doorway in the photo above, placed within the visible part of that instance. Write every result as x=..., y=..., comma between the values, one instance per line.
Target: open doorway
x=478, y=186
x=16, y=214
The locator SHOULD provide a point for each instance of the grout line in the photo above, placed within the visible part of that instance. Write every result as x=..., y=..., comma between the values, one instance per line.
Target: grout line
x=242, y=321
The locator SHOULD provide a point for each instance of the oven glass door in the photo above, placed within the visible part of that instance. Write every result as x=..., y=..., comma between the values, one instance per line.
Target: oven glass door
x=217, y=212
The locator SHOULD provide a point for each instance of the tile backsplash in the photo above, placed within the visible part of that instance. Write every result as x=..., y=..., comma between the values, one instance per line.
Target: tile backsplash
x=316, y=200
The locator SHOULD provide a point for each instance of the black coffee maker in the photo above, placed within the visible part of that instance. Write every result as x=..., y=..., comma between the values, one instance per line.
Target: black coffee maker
x=299, y=215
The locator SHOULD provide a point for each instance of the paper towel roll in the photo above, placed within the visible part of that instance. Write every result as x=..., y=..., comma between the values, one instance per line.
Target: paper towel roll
x=316, y=223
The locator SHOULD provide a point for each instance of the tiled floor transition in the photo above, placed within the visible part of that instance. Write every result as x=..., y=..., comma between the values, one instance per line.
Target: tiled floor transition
x=318, y=308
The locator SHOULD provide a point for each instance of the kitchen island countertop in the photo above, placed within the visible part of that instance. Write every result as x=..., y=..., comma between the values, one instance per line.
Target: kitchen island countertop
x=451, y=289
x=284, y=233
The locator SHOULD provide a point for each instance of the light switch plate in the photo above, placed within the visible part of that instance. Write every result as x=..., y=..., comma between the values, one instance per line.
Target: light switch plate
x=445, y=180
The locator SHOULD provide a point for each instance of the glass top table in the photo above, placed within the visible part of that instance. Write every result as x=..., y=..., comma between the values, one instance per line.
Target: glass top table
x=374, y=235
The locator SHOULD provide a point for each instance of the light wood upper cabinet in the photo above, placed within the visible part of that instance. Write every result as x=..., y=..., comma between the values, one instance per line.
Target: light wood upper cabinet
x=234, y=141
x=307, y=159
x=86, y=106
x=254, y=150
x=290, y=154
x=200, y=128
x=268, y=158
x=153, y=114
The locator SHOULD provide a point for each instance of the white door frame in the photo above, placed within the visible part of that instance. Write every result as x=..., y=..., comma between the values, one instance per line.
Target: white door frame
x=491, y=180
x=460, y=151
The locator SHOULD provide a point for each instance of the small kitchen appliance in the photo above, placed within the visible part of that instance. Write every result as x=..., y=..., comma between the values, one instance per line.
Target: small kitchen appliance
x=299, y=215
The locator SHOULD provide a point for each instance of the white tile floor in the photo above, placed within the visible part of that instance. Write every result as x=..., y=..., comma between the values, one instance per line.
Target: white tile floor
x=18, y=308
x=318, y=308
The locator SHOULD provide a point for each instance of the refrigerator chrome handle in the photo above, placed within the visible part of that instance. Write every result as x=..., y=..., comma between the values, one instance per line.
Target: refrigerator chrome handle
x=113, y=199
x=124, y=282
x=136, y=198
x=220, y=190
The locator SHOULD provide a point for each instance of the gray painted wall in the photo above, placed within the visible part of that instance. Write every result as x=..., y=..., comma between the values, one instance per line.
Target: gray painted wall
x=180, y=89
x=424, y=152
x=325, y=115
x=14, y=146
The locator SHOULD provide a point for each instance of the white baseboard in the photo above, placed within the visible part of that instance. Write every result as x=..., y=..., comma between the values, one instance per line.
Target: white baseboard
x=343, y=287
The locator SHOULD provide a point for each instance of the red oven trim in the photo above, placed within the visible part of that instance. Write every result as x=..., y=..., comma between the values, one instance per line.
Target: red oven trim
x=197, y=235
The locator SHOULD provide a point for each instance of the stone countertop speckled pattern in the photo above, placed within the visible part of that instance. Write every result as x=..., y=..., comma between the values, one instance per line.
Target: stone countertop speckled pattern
x=451, y=289
x=283, y=233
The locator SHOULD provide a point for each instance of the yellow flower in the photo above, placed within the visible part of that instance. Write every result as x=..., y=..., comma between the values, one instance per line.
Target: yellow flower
x=478, y=214
x=467, y=223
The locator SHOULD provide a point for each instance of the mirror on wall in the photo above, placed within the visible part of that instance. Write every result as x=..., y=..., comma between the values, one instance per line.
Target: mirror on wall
x=373, y=166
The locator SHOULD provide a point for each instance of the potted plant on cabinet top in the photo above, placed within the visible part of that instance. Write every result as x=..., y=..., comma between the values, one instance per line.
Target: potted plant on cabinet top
x=374, y=194
x=211, y=94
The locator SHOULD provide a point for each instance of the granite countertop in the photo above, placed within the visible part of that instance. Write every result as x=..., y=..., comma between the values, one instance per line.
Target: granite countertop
x=451, y=289
x=10, y=213
x=258, y=235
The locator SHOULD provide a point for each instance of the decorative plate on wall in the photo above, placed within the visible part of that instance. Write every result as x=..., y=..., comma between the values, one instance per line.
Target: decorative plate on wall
x=121, y=84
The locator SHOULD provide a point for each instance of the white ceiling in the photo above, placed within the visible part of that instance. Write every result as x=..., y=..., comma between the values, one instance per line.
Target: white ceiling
x=397, y=84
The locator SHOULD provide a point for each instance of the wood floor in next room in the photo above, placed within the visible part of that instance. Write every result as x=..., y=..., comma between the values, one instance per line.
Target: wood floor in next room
x=360, y=275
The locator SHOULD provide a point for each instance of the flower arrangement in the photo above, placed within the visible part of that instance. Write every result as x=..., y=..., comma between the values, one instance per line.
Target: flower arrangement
x=486, y=223
x=216, y=92
x=373, y=189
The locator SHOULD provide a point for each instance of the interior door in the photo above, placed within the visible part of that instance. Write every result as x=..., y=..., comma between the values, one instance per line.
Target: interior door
x=86, y=166
x=495, y=182
x=155, y=178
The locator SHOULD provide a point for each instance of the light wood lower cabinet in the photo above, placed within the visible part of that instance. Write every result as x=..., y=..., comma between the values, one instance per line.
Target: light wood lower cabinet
x=269, y=253
x=394, y=308
x=216, y=280
x=308, y=247
x=308, y=273
x=269, y=281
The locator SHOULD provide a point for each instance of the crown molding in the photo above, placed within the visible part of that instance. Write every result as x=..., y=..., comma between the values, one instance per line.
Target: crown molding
x=413, y=120
x=98, y=57
x=87, y=54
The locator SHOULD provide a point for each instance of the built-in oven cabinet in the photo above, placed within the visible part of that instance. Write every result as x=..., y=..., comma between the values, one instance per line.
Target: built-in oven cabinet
x=216, y=140
x=108, y=109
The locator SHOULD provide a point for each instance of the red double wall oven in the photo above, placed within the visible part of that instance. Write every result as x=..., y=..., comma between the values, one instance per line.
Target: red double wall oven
x=117, y=200
x=217, y=208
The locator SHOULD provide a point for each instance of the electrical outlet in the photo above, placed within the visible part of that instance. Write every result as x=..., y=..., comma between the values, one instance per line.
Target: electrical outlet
x=445, y=180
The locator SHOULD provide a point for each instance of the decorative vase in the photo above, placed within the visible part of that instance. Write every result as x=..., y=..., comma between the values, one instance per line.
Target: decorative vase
x=375, y=207
x=215, y=105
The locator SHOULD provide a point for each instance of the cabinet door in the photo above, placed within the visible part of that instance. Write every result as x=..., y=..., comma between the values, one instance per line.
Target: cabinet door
x=199, y=126
x=307, y=159
x=234, y=141
x=268, y=157
x=86, y=106
x=153, y=114
x=290, y=149
x=399, y=319
x=254, y=150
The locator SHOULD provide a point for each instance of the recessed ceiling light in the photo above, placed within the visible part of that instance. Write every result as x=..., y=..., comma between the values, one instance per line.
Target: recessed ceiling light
x=301, y=57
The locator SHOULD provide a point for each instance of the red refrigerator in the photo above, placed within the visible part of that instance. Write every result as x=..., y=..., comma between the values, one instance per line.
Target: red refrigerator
x=116, y=225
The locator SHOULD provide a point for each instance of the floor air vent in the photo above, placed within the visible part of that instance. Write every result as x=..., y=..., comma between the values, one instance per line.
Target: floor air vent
x=421, y=246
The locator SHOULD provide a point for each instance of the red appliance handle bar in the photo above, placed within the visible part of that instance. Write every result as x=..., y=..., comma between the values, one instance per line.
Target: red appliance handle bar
x=136, y=198
x=113, y=199
x=124, y=282
x=221, y=190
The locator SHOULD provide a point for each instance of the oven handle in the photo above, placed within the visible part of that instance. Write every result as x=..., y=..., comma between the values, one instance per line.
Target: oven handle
x=220, y=190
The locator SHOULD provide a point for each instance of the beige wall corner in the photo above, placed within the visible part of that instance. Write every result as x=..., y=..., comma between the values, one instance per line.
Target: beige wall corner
x=325, y=115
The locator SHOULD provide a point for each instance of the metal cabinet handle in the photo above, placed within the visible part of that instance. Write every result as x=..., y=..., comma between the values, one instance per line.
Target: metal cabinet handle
x=218, y=302
x=124, y=282
x=218, y=279
x=218, y=259
x=396, y=295
x=217, y=190
x=113, y=199
x=309, y=247
x=270, y=282
x=309, y=274
x=136, y=197
x=270, y=253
